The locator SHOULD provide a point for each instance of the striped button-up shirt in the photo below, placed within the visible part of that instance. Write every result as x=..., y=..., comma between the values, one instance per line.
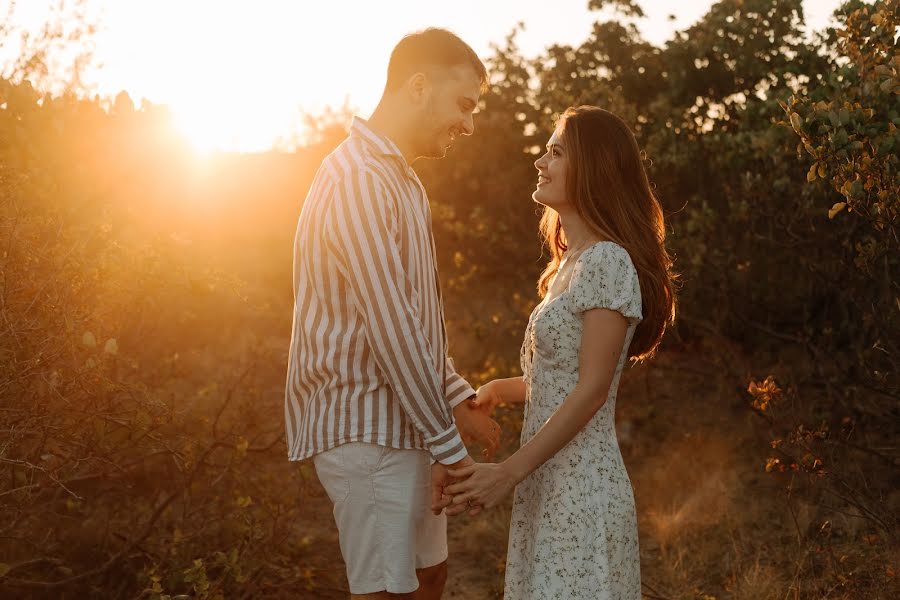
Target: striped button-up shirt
x=368, y=358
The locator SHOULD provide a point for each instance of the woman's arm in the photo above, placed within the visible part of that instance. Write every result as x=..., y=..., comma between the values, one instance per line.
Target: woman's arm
x=499, y=391
x=602, y=339
x=512, y=390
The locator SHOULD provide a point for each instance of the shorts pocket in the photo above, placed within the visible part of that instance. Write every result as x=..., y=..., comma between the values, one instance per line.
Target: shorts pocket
x=332, y=475
x=365, y=459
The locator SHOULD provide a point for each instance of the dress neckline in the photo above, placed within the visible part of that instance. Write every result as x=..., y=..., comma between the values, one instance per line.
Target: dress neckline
x=544, y=302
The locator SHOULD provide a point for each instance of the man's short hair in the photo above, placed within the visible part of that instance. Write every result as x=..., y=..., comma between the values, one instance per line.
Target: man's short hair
x=432, y=47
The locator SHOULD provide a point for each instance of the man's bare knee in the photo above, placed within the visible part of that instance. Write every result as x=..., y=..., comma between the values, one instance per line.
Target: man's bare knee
x=431, y=581
x=382, y=596
x=432, y=576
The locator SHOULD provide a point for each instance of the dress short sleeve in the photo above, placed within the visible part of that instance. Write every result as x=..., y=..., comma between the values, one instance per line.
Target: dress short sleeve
x=605, y=277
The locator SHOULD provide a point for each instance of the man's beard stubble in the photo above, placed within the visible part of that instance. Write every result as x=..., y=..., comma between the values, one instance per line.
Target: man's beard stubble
x=431, y=142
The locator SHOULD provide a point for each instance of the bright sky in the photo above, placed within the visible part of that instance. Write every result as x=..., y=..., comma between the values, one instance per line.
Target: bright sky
x=238, y=73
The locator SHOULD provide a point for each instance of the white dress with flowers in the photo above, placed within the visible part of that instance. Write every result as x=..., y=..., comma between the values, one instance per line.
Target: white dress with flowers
x=573, y=532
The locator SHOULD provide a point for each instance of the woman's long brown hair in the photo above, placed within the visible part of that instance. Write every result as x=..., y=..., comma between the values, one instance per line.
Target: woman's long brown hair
x=609, y=188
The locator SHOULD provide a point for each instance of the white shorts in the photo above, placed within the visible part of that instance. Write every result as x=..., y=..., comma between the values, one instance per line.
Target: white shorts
x=382, y=499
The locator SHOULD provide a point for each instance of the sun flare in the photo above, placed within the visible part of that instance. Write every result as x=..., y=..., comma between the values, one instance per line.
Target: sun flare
x=238, y=75
x=211, y=124
x=227, y=80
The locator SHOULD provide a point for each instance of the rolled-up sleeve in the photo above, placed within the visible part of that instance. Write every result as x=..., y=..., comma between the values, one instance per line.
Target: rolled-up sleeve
x=361, y=226
x=458, y=389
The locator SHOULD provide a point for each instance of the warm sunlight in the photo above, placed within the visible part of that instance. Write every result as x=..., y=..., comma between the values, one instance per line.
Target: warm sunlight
x=233, y=274
x=227, y=80
x=219, y=121
x=238, y=75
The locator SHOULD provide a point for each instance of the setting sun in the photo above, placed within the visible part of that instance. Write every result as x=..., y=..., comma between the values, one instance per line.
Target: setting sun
x=223, y=69
x=222, y=122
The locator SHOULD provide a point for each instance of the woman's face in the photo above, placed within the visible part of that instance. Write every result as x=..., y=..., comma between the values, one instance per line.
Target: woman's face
x=552, y=168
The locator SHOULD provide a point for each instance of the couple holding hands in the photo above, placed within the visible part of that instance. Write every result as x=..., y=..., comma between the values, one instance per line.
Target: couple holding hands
x=372, y=395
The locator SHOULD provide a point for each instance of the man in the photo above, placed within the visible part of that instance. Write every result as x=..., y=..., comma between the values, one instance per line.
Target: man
x=371, y=392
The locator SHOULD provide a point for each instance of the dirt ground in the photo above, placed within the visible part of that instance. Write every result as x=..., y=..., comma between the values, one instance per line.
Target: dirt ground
x=711, y=521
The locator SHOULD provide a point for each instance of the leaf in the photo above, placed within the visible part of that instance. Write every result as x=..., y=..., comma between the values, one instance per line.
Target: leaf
x=840, y=138
x=811, y=174
x=764, y=392
x=838, y=207
x=796, y=122
x=822, y=170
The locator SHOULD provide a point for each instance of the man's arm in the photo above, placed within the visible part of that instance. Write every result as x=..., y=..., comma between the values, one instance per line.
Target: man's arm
x=474, y=426
x=458, y=389
x=359, y=227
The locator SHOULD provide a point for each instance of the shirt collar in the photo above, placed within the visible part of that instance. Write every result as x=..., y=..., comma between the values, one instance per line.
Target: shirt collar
x=379, y=144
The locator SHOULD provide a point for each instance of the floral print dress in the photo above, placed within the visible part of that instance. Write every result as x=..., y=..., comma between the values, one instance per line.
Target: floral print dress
x=573, y=532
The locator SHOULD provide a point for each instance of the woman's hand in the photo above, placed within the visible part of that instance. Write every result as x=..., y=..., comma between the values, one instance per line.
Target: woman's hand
x=485, y=485
x=440, y=479
x=487, y=398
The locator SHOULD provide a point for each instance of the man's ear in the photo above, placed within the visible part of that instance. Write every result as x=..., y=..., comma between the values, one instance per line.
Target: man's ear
x=418, y=87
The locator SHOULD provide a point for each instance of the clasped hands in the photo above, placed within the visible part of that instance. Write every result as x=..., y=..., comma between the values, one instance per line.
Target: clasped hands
x=468, y=486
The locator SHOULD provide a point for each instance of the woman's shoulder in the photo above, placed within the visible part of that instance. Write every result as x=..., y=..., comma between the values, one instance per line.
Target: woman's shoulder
x=608, y=253
x=605, y=277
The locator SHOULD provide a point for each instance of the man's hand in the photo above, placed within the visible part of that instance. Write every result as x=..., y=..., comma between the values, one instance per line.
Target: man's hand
x=440, y=479
x=476, y=426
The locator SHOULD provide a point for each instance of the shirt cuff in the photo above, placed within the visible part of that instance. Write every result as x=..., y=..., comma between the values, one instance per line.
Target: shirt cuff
x=458, y=391
x=447, y=447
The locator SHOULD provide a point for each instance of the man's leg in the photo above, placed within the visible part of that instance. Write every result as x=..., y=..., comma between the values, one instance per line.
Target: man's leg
x=431, y=541
x=431, y=582
x=384, y=596
x=374, y=490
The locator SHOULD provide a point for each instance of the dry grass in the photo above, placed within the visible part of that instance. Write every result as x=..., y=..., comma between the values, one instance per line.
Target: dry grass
x=713, y=524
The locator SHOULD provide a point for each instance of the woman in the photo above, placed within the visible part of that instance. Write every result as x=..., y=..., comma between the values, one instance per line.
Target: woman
x=607, y=297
